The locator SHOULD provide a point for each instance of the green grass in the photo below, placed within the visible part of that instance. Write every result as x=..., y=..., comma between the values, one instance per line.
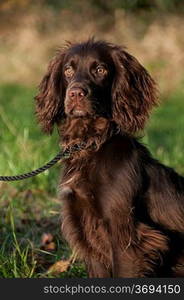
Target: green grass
x=30, y=208
x=165, y=137
x=23, y=146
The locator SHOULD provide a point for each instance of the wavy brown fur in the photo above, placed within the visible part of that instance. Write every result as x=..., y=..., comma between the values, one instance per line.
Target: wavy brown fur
x=123, y=212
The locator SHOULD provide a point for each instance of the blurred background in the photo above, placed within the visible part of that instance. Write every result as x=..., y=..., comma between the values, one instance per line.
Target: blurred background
x=30, y=33
x=31, y=30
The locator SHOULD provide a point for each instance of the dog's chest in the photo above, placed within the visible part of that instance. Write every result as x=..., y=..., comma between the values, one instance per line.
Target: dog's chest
x=83, y=224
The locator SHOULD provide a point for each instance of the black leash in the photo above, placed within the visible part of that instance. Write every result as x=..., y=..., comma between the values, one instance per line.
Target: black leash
x=47, y=166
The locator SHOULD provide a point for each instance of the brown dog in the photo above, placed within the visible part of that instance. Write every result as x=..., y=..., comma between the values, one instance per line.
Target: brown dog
x=123, y=211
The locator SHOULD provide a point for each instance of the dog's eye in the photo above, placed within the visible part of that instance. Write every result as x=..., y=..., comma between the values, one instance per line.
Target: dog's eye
x=69, y=71
x=101, y=71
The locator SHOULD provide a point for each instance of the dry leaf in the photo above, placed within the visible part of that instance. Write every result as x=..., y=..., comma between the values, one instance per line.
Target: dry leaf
x=59, y=267
x=50, y=247
x=47, y=242
x=46, y=238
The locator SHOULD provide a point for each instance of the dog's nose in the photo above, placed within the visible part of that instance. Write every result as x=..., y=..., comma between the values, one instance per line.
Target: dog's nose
x=77, y=93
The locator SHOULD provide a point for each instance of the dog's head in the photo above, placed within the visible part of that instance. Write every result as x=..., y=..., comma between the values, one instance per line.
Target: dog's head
x=94, y=79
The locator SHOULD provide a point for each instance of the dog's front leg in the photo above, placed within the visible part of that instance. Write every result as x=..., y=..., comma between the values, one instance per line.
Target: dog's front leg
x=97, y=269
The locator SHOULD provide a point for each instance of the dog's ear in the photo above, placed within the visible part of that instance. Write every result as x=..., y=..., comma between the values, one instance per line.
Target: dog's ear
x=49, y=101
x=134, y=92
